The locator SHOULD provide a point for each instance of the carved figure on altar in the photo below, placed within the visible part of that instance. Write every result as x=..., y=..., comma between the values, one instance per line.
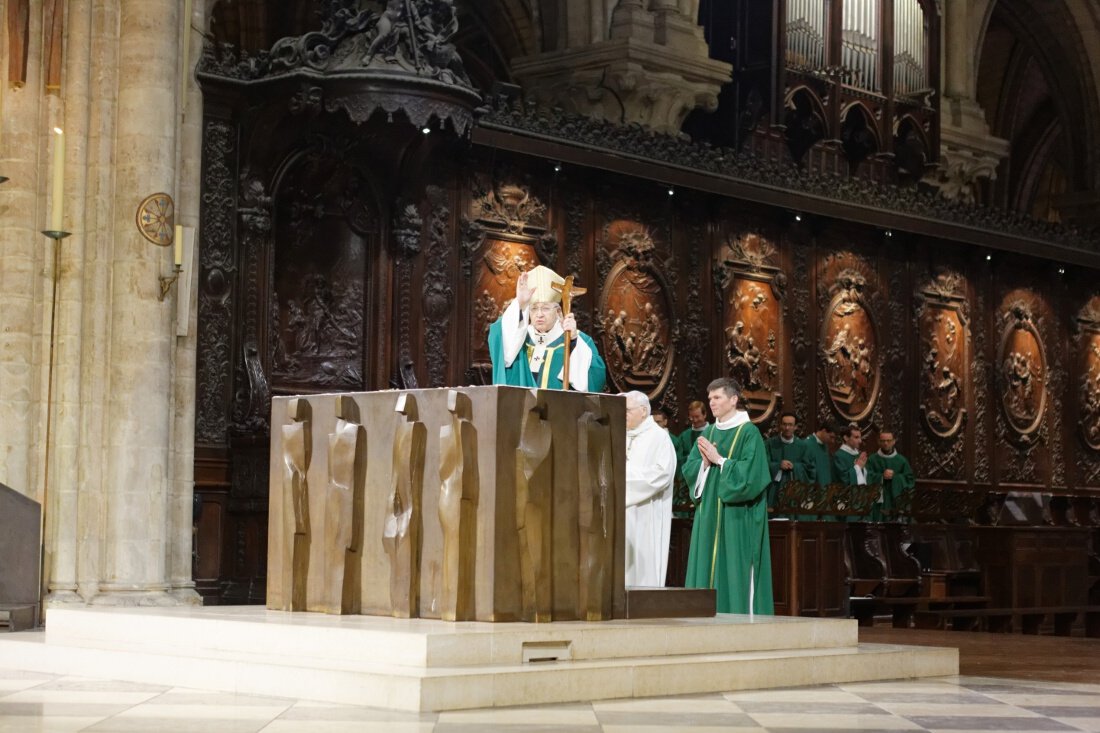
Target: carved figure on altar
x=528, y=343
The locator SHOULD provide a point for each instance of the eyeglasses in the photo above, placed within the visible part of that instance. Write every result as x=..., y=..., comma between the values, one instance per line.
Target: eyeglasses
x=543, y=308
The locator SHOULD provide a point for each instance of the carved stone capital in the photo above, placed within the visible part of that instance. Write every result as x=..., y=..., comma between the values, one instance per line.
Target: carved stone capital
x=968, y=153
x=627, y=81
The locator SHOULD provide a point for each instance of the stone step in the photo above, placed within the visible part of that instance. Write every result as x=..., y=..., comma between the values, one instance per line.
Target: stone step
x=320, y=639
x=375, y=683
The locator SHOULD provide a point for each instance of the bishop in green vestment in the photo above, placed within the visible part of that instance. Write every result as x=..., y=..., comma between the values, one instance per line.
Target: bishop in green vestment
x=727, y=476
x=897, y=474
x=527, y=342
x=788, y=457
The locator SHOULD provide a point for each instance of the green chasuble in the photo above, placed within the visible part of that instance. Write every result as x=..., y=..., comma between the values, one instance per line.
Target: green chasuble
x=844, y=472
x=817, y=453
x=519, y=374
x=729, y=538
x=798, y=454
x=892, y=488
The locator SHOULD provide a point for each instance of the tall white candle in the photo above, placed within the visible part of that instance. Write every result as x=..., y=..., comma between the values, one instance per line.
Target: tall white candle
x=58, y=197
x=177, y=240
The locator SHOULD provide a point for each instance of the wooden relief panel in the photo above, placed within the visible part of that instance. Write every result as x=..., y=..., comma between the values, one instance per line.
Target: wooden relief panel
x=1022, y=371
x=749, y=284
x=1088, y=380
x=504, y=234
x=495, y=285
x=849, y=342
x=944, y=328
x=320, y=278
x=636, y=313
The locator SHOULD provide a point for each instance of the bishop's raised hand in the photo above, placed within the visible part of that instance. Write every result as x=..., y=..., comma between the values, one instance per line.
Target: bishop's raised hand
x=524, y=292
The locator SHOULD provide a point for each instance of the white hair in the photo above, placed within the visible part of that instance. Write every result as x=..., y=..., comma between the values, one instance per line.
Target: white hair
x=634, y=398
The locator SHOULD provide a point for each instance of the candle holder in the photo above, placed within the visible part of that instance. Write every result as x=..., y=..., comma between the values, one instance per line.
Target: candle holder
x=167, y=281
x=56, y=234
x=3, y=179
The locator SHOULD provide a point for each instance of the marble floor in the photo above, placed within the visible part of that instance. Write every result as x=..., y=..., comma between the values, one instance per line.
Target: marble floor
x=59, y=704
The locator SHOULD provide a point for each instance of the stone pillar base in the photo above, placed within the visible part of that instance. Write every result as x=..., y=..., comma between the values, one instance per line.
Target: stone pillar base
x=185, y=596
x=134, y=598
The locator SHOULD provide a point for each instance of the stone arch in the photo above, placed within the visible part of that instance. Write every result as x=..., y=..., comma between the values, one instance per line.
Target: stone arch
x=1054, y=41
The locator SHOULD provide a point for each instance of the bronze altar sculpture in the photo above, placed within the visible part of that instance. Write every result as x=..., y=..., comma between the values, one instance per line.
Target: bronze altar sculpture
x=473, y=503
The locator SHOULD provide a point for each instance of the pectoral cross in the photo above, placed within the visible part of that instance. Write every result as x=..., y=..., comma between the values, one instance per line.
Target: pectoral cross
x=567, y=293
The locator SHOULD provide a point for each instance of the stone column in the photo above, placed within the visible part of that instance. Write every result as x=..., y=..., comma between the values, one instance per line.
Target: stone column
x=968, y=152
x=182, y=489
x=65, y=476
x=140, y=394
x=22, y=251
x=652, y=67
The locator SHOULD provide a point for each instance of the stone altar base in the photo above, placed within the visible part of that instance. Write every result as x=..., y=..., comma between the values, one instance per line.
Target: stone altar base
x=429, y=665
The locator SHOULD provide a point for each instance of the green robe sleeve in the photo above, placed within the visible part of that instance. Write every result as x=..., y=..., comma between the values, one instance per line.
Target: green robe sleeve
x=844, y=468
x=744, y=477
x=692, y=465
x=775, y=455
x=806, y=463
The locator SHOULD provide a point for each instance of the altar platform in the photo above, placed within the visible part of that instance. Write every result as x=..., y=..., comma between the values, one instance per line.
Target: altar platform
x=431, y=665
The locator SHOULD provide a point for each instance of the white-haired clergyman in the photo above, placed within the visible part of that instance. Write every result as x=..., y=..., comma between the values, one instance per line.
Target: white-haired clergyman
x=650, y=470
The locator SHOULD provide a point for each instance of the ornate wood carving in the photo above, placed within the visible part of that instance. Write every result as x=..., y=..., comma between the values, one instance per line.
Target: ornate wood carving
x=1087, y=354
x=505, y=205
x=320, y=276
x=801, y=346
x=504, y=234
x=407, y=226
x=436, y=294
x=980, y=379
x=402, y=52
x=942, y=322
x=576, y=220
x=692, y=330
x=849, y=342
x=1022, y=371
x=217, y=265
x=636, y=309
x=750, y=288
x=890, y=409
x=635, y=143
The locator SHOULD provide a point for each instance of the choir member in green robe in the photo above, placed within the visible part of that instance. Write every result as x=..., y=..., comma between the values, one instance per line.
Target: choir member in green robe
x=850, y=463
x=685, y=441
x=897, y=475
x=819, y=447
x=727, y=475
x=527, y=342
x=788, y=457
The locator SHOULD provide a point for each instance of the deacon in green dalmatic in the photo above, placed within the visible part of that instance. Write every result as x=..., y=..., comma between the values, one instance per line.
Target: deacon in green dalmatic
x=527, y=343
x=897, y=474
x=727, y=475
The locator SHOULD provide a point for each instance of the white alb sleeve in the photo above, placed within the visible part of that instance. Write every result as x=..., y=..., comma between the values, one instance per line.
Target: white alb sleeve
x=513, y=331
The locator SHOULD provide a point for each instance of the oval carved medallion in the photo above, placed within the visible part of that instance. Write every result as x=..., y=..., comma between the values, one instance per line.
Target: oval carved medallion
x=850, y=350
x=1022, y=369
x=636, y=318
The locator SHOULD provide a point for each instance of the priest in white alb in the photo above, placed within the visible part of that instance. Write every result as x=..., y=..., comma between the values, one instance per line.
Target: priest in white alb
x=650, y=469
